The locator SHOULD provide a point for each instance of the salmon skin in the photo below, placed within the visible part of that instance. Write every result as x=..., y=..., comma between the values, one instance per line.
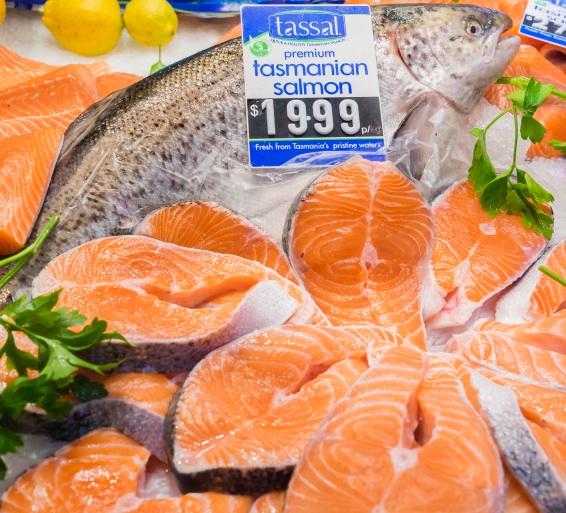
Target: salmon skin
x=180, y=135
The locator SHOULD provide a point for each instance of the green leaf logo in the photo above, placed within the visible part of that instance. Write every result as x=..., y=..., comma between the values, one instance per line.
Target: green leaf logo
x=260, y=47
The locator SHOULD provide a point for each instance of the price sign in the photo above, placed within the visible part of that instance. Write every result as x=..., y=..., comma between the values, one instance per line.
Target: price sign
x=545, y=20
x=311, y=83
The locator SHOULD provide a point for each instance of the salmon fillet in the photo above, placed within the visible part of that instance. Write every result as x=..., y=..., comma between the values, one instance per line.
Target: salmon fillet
x=15, y=69
x=26, y=165
x=535, y=295
x=111, y=82
x=176, y=304
x=54, y=99
x=464, y=272
x=100, y=474
x=209, y=226
x=366, y=456
x=247, y=411
x=234, y=32
x=359, y=238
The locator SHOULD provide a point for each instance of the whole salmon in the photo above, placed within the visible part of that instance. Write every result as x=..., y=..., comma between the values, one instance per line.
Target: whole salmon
x=180, y=134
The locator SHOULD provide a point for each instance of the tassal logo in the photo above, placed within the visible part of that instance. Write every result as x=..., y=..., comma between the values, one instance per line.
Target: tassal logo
x=307, y=26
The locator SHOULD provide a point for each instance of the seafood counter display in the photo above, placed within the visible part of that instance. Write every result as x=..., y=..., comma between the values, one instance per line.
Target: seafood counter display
x=204, y=336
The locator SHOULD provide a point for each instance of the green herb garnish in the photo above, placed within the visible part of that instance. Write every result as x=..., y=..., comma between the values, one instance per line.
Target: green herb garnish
x=515, y=191
x=56, y=361
x=24, y=256
x=558, y=145
x=552, y=274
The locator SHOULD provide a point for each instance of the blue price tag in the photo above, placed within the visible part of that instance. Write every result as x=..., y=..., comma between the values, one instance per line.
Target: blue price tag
x=311, y=84
x=545, y=20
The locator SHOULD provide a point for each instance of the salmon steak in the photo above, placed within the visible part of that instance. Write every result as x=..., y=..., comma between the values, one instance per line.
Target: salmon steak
x=535, y=295
x=464, y=273
x=136, y=405
x=360, y=238
x=546, y=333
x=246, y=412
x=209, y=226
x=502, y=352
x=536, y=459
x=394, y=444
x=176, y=304
x=545, y=406
x=51, y=100
x=100, y=473
x=26, y=164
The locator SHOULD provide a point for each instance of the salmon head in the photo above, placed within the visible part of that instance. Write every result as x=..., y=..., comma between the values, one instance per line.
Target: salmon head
x=456, y=50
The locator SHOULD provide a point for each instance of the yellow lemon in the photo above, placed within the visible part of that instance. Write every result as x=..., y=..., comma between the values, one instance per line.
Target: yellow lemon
x=2, y=11
x=151, y=22
x=86, y=27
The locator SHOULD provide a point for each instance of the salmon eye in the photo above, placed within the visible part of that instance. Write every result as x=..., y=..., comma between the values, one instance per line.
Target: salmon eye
x=473, y=27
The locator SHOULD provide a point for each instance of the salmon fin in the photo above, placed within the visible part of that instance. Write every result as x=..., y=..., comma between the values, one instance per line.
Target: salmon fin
x=409, y=158
x=84, y=124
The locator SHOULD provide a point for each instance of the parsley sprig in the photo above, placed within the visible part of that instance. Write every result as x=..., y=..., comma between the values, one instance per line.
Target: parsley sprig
x=56, y=362
x=515, y=191
x=551, y=274
x=48, y=377
x=24, y=256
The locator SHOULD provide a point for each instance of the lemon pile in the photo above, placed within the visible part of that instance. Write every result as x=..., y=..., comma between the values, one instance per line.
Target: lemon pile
x=94, y=27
